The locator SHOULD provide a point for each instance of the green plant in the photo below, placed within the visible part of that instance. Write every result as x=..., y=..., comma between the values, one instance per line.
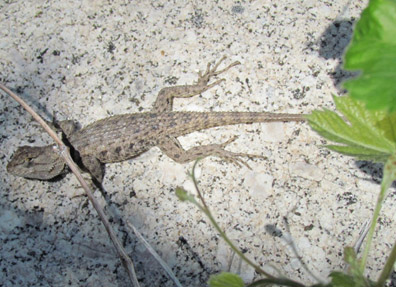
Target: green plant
x=373, y=52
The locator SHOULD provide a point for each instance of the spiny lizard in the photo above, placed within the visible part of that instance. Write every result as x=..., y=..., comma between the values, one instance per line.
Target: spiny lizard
x=123, y=137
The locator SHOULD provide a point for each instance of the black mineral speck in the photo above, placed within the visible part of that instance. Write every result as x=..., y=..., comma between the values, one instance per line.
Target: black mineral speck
x=237, y=9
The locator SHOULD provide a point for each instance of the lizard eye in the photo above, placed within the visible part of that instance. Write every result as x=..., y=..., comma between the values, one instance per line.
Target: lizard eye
x=28, y=161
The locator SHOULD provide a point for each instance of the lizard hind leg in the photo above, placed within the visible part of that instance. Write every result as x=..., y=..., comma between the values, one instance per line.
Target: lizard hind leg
x=164, y=101
x=173, y=149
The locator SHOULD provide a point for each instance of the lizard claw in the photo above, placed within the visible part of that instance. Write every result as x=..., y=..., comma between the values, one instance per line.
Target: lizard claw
x=212, y=72
x=234, y=138
x=234, y=157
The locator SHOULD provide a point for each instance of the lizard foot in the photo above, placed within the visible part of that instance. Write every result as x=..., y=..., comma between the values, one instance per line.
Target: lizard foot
x=233, y=157
x=212, y=72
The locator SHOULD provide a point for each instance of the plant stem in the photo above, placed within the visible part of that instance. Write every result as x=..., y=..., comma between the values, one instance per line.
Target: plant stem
x=388, y=178
x=257, y=268
x=387, y=268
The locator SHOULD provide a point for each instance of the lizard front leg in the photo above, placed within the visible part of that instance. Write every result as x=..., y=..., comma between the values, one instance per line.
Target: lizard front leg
x=173, y=149
x=93, y=165
x=164, y=101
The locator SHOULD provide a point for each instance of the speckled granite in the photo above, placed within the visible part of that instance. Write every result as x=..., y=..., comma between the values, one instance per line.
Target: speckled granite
x=89, y=59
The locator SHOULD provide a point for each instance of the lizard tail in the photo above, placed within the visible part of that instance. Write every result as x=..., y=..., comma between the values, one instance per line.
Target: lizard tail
x=195, y=121
x=232, y=118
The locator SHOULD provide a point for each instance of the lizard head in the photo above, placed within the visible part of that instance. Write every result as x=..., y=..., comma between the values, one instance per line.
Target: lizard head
x=36, y=163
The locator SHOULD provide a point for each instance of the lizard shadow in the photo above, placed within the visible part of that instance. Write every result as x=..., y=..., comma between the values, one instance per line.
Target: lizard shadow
x=77, y=241
x=144, y=260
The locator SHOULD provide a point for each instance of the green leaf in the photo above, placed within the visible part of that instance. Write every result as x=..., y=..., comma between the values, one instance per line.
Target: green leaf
x=354, y=277
x=339, y=279
x=354, y=264
x=225, y=279
x=387, y=125
x=373, y=52
x=364, y=134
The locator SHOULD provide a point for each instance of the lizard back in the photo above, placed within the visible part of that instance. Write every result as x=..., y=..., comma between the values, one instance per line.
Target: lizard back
x=122, y=137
